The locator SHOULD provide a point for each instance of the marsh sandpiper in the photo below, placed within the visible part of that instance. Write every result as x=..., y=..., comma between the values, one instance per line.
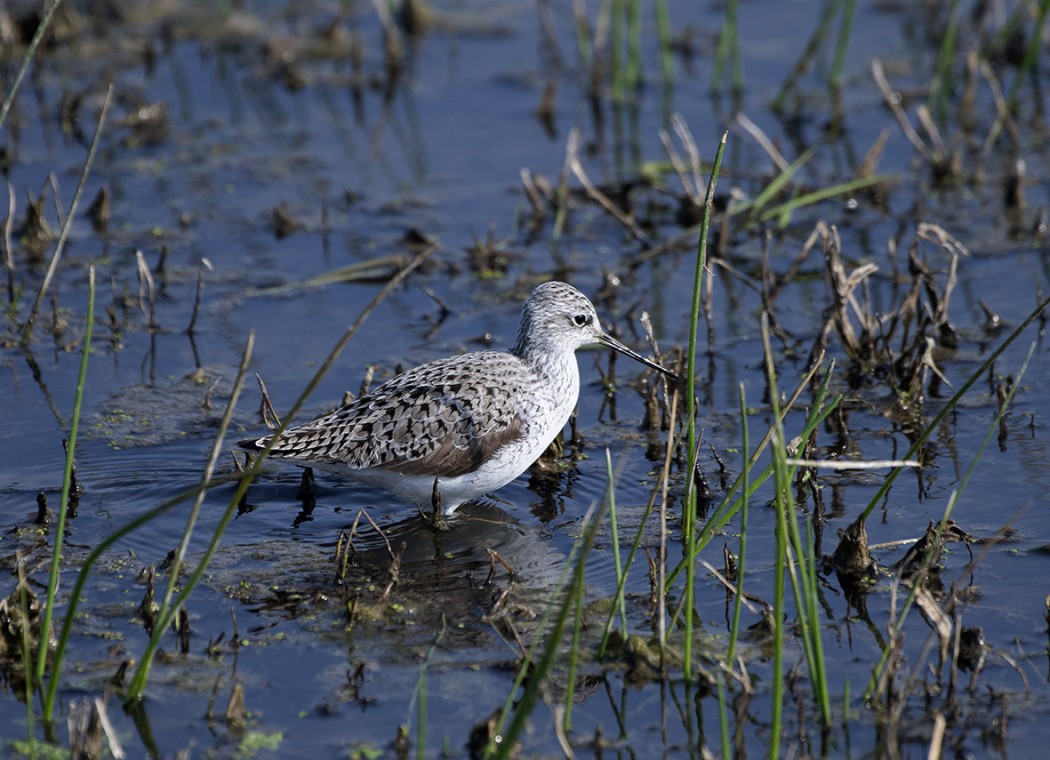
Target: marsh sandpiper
x=464, y=426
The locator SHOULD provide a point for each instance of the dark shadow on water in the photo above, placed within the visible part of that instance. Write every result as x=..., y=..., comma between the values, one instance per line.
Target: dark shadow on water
x=456, y=554
x=480, y=571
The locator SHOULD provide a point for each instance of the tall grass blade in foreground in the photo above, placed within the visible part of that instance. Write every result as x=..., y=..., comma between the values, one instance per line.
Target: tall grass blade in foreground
x=689, y=516
x=167, y=612
x=419, y=699
x=797, y=558
x=731, y=502
x=620, y=603
x=548, y=636
x=741, y=565
x=67, y=479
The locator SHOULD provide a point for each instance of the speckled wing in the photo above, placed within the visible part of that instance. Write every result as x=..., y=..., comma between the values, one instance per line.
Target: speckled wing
x=443, y=418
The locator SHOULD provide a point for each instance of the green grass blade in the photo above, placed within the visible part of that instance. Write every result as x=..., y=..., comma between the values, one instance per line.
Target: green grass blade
x=731, y=503
x=1031, y=54
x=773, y=188
x=503, y=743
x=577, y=632
x=663, y=30
x=166, y=613
x=849, y=8
x=38, y=36
x=76, y=594
x=939, y=90
x=741, y=564
x=420, y=696
x=949, y=509
x=781, y=557
x=620, y=603
x=689, y=518
x=823, y=194
x=913, y=450
x=67, y=479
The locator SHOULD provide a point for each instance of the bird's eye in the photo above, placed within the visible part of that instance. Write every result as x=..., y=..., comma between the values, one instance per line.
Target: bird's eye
x=581, y=319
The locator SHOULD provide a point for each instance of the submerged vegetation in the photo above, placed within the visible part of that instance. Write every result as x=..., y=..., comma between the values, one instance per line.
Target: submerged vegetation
x=876, y=315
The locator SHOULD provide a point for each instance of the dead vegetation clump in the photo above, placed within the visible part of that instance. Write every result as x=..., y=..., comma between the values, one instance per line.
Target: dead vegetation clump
x=900, y=346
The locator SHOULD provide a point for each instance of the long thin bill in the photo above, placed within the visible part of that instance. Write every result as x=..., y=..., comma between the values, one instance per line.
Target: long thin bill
x=611, y=342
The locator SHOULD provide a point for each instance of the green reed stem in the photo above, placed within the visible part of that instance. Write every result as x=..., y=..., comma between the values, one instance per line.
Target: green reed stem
x=634, y=45
x=783, y=503
x=167, y=611
x=913, y=450
x=818, y=667
x=67, y=480
x=76, y=595
x=939, y=90
x=727, y=51
x=796, y=558
x=663, y=31
x=38, y=36
x=421, y=695
x=628, y=563
x=584, y=51
x=502, y=745
x=949, y=509
x=689, y=518
x=618, y=9
x=731, y=503
x=636, y=544
x=849, y=8
x=577, y=632
x=741, y=561
x=741, y=564
x=805, y=59
x=621, y=578
x=1031, y=54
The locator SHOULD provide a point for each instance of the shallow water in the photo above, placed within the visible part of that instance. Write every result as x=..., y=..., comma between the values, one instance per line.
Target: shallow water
x=442, y=155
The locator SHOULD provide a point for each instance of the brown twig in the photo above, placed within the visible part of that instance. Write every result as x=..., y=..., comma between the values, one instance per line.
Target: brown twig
x=64, y=234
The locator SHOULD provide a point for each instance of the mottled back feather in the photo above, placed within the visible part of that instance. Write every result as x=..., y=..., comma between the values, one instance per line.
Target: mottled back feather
x=438, y=418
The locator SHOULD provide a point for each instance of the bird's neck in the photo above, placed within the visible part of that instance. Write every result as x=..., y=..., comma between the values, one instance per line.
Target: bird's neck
x=552, y=363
